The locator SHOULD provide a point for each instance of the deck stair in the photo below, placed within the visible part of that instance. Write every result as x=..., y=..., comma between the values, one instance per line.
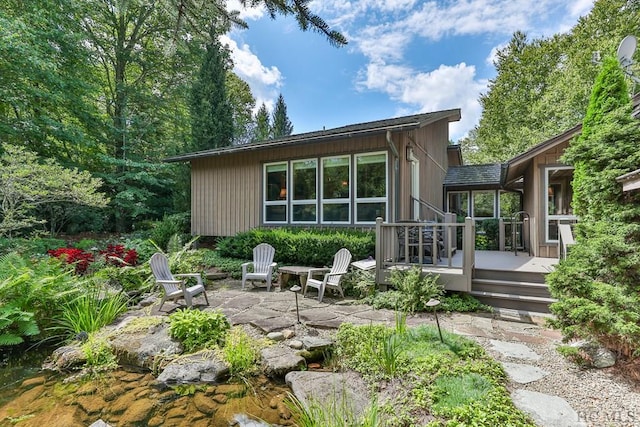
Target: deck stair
x=515, y=290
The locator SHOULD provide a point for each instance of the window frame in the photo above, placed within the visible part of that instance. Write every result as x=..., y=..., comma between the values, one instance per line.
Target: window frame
x=268, y=203
x=361, y=200
x=472, y=206
x=571, y=218
x=347, y=201
x=303, y=202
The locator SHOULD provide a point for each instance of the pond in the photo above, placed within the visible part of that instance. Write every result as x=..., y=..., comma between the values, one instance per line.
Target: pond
x=31, y=397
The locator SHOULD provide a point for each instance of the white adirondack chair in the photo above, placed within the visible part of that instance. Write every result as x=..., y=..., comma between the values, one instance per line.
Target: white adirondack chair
x=331, y=280
x=262, y=263
x=175, y=288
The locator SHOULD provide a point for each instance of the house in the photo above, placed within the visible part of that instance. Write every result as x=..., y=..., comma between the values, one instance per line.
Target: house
x=342, y=177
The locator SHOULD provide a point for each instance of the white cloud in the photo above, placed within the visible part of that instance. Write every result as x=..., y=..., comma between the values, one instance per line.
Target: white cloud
x=580, y=8
x=493, y=55
x=444, y=88
x=264, y=81
x=246, y=13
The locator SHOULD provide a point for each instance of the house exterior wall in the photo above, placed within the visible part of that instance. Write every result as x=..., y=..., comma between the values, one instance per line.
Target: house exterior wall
x=535, y=188
x=226, y=191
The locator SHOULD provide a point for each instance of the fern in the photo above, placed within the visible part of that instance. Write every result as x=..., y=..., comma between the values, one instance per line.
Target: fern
x=16, y=324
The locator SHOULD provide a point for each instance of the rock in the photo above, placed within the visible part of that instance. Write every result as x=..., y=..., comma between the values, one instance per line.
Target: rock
x=202, y=367
x=138, y=411
x=277, y=361
x=242, y=420
x=148, y=301
x=92, y=405
x=316, y=343
x=275, y=336
x=288, y=334
x=142, y=348
x=515, y=350
x=31, y=382
x=64, y=358
x=220, y=398
x=204, y=404
x=546, y=410
x=341, y=390
x=597, y=355
x=100, y=423
x=523, y=374
x=296, y=344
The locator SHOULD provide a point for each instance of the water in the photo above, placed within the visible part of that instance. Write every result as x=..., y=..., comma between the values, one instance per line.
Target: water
x=31, y=397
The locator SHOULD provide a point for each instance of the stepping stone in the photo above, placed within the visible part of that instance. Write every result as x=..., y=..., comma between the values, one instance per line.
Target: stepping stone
x=273, y=324
x=515, y=350
x=547, y=410
x=523, y=374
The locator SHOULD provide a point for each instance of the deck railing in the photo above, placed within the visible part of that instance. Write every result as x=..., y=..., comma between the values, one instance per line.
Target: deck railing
x=430, y=245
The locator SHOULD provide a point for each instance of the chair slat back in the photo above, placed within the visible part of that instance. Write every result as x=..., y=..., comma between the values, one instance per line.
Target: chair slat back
x=263, y=257
x=341, y=261
x=160, y=269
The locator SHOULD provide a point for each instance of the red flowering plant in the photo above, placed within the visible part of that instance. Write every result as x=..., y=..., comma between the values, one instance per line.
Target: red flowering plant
x=80, y=258
x=116, y=255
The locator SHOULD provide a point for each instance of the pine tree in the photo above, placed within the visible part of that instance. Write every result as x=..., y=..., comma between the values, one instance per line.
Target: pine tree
x=263, y=124
x=211, y=112
x=281, y=124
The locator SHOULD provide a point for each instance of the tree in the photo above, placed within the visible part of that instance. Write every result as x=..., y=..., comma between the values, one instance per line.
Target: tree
x=242, y=104
x=211, y=113
x=597, y=286
x=281, y=125
x=263, y=124
x=26, y=184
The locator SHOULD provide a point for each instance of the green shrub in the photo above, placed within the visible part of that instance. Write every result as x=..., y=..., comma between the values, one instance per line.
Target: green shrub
x=461, y=303
x=197, y=329
x=15, y=325
x=359, y=283
x=99, y=354
x=300, y=246
x=241, y=352
x=416, y=288
x=170, y=226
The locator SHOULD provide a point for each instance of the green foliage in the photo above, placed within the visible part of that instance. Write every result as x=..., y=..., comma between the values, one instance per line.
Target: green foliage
x=241, y=352
x=211, y=114
x=16, y=324
x=488, y=234
x=227, y=265
x=597, y=287
x=416, y=288
x=197, y=329
x=99, y=354
x=26, y=183
x=461, y=302
x=332, y=413
x=452, y=392
x=171, y=225
x=281, y=125
x=300, y=246
x=94, y=308
x=263, y=124
x=359, y=283
x=34, y=246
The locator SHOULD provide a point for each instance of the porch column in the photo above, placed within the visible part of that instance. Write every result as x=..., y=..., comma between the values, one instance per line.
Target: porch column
x=468, y=251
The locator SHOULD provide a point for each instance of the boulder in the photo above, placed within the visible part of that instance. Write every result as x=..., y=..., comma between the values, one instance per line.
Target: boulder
x=201, y=367
x=65, y=358
x=597, y=355
x=277, y=361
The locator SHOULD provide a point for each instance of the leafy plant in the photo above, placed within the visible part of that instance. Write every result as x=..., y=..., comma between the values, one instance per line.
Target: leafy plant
x=416, y=288
x=461, y=303
x=98, y=354
x=16, y=324
x=241, y=352
x=197, y=329
x=91, y=310
x=332, y=413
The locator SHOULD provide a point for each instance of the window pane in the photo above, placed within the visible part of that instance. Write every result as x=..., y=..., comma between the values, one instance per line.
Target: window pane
x=553, y=229
x=276, y=213
x=509, y=204
x=483, y=205
x=371, y=176
x=335, y=178
x=368, y=212
x=338, y=212
x=304, y=180
x=276, y=182
x=304, y=213
x=459, y=203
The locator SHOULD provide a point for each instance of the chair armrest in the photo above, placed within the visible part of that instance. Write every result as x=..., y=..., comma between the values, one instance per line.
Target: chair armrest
x=245, y=264
x=170, y=282
x=197, y=276
x=313, y=271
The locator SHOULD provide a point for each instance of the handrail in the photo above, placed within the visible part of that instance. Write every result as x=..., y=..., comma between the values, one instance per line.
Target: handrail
x=514, y=232
x=437, y=211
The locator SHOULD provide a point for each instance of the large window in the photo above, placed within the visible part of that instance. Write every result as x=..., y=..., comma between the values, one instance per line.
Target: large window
x=459, y=203
x=371, y=187
x=304, y=205
x=484, y=203
x=559, y=194
x=336, y=196
x=275, y=192
x=327, y=190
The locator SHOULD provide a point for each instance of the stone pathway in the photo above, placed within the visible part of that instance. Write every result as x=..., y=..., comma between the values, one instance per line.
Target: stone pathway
x=508, y=341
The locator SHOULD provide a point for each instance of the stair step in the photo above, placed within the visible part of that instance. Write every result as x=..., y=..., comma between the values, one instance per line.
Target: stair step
x=515, y=276
x=511, y=287
x=514, y=301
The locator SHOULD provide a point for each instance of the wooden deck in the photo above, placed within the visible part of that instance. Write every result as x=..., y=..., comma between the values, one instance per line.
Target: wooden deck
x=507, y=261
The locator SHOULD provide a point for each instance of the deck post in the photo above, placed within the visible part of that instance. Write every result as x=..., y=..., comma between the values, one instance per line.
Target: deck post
x=501, y=234
x=378, y=256
x=449, y=235
x=468, y=251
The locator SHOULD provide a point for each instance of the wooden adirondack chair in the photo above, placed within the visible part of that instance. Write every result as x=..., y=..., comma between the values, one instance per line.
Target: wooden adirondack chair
x=175, y=288
x=331, y=280
x=262, y=263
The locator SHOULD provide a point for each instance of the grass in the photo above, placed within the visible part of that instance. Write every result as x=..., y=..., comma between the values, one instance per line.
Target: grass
x=453, y=382
x=332, y=413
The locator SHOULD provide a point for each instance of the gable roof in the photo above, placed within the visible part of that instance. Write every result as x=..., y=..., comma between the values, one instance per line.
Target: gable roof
x=415, y=121
x=467, y=177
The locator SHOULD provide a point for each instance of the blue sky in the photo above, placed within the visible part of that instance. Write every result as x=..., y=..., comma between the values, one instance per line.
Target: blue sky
x=403, y=57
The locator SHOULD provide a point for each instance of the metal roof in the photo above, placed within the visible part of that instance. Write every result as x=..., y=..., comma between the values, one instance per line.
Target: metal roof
x=470, y=176
x=415, y=121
